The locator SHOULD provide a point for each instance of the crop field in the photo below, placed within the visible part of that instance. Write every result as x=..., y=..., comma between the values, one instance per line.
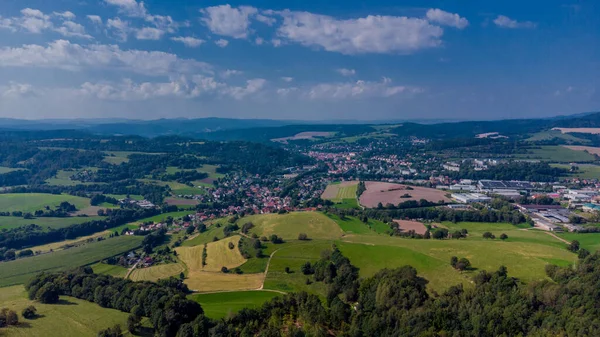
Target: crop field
x=555, y=134
x=66, y=244
x=221, y=305
x=343, y=190
x=181, y=201
x=107, y=269
x=119, y=157
x=206, y=237
x=31, y=202
x=155, y=273
x=19, y=271
x=593, y=131
x=557, y=154
x=8, y=222
x=71, y=317
x=164, y=216
x=388, y=193
x=588, y=149
x=585, y=171
x=123, y=196
x=407, y=225
x=288, y=226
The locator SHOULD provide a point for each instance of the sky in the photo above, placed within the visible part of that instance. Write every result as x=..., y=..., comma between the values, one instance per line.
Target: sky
x=301, y=60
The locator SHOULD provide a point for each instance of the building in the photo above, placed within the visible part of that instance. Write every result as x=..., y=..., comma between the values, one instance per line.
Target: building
x=511, y=194
x=547, y=226
x=462, y=187
x=498, y=185
x=467, y=198
x=591, y=207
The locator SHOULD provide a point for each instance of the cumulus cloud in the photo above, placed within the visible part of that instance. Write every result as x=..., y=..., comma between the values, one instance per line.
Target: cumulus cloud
x=267, y=20
x=188, y=41
x=231, y=72
x=73, y=29
x=506, y=22
x=228, y=21
x=346, y=72
x=149, y=33
x=35, y=21
x=135, y=9
x=371, y=34
x=96, y=19
x=65, y=55
x=15, y=90
x=446, y=19
x=130, y=7
x=222, y=43
x=66, y=15
x=359, y=89
x=119, y=28
x=287, y=79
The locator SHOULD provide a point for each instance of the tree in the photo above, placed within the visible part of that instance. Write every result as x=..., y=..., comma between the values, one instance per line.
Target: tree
x=307, y=269
x=503, y=236
x=573, y=246
x=440, y=234
x=583, y=253
x=463, y=264
x=190, y=229
x=224, y=270
x=29, y=313
x=115, y=331
x=457, y=235
x=302, y=237
x=453, y=261
x=133, y=323
x=181, y=276
x=47, y=294
x=427, y=235
x=8, y=317
x=287, y=270
x=488, y=235
x=231, y=245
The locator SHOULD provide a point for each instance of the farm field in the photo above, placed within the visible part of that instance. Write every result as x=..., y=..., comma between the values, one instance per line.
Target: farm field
x=69, y=318
x=19, y=271
x=288, y=226
x=157, y=272
x=123, y=196
x=589, y=241
x=119, y=157
x=206, y=237
x=352, y=225
x=54, y=246
x=586, y=171
x=181, y=201
x=221, y=305
x=557, y=154
x=589, y=149
x=31, y=202
x=384, y=193
x=310, y=135
x=107, y=269
x=593, y=131
x=8, y=222
x=407, y=225
x=164, y=216
x=343, y=194
x=555, y=134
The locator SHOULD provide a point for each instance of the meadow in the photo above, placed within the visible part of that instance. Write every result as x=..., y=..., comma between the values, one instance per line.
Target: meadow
x=558, y=154
x=8, y=169
x=158, y=272
x=31, y=202
x=19, y=271
x=71, y=317
x=585, y=171
x=107, y=269
x=9, y=222
x=222, y=305
x=288, y=226
x=63, y=178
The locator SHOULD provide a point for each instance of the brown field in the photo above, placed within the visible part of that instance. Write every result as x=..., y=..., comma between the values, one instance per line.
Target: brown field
x=388, y=193
x=593, y=131
x=181, y=202
x=331, y=192
x=303, y=135
x=89, y=211
x=407, y=225
x=589, y=149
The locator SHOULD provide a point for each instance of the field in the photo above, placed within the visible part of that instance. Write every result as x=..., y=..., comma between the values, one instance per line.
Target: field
x=304, y=135
x=588, y=149
x=54, y=246
x=206, y=237
x=119, y=157
x=63, y=178
x=352, y=225
x=585, y=171
x=407, y=225
x=156, y=273
x=107, y=269
x=181, y=202
x=8, y=169
x=288, y=226
x=221, y=305
x=70, y=318
x=558, y=154
x=589, y=241
x=338, y=192
x=19, y=271
x=593, y=131
x=31, y=202
x=8, y=222
x=384, y=193
x=555, y=134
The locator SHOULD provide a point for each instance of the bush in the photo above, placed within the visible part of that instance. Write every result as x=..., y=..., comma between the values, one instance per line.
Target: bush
x=287, y=270
x=224, y=270
x=307, y=269
x=231, y=245
x=29, y=313
x=302, y=237
x=503, y=236
x=8, y=317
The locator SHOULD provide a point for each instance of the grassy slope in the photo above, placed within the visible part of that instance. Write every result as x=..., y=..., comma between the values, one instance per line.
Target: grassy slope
x=70, y=318
x=585, y=171
x=352, y=225
x=589, y=241
x=8, y=222
x=31, y=202
x=558, y=154
x=221, y=305
x=155, y=273
x=107, y=269
x=19, y=271
x=288, y=226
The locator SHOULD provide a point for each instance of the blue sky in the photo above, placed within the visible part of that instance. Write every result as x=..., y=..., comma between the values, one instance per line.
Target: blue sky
x=477, y=59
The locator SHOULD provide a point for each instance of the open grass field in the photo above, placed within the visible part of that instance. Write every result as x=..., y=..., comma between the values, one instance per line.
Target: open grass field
x=288, y=226
x=55, y=246
x=123, y=196
x=63, y=178
x=158, y=272
x=71, y=317
x=593, y=131
x=589, y=241
x=555, y=134
x=586, y=171
x=557, y=154
x=8, y=169
x=119, y=157
x=164, y=216
x=31, y=202
x=384, y=193
x=221, y=305
x=107, y=269
x=588, y=149
x=8, y=222
x=206, y=237
x=19, y=271
x=353, y=225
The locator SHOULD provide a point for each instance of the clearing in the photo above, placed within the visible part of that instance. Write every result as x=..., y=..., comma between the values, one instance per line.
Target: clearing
x=388, y=193
x=31, y=202
x=222, y=305
x=288, y=226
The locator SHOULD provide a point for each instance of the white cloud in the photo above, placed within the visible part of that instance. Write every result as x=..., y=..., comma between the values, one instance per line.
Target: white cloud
x=66, y=15
x=359, y=89
x=231, y=72
x=372, y=34
x=189, y=41
x=135, y=9
x=130, y=7
x=276, y=43
x=96, y=19
x=287, y=79
x=15, y=90
x=119, y=27
x=252, y=86
x=506, y=22
x=65, y=55
x=222, y=43
x=447, y=19
x=269, y=21
x=228, y=21
x=259, y=41
x=33, y=20
x=149, y=33
x=346, y=72
x=72, y=29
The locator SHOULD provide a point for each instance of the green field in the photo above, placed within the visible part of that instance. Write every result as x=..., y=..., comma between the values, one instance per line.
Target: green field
x=8, y=222
x=119, y=157
x=158, y=272
x=123, y=196
x=71, y=317
x=107, y=269
x=63, y=178
x=31, y=202
x=19, y=271
x=8, y=169
x=558, y=154
x=352, y=225
x=206, y=237
x=555, y=134
x=347, y=192
x=288, y=226
x=589, y=241
x=586, y=171
x=221, y=305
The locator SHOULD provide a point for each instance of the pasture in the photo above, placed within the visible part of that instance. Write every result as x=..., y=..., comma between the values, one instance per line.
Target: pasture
x=119, y=157
x=589, y=149
x=388, y=193
x=107, y=269
x=408, y=225
x=288, y=226
x=71, y=317
x=555, y=134
x=589, y=241
x=9, y=222
x=593, y=131
x=222, y=305
x=585, y=171
x=21, y=270
x=353, y=225
x=557, y=154
x=158, y=272
x=31, y=202
x=63, y=178
x=66, y=244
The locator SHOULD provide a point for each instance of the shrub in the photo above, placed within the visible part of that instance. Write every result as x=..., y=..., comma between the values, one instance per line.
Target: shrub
x=231, y=245
x=29, y=313
x=302, y=237
x=224, y=270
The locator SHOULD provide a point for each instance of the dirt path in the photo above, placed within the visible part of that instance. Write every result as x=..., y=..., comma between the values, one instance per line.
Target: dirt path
x=132, y=269
x=558, y=238
x=267, y=270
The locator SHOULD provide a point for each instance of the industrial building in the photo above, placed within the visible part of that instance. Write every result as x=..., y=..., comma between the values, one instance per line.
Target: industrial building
x=498, y=185
x=467, y=198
